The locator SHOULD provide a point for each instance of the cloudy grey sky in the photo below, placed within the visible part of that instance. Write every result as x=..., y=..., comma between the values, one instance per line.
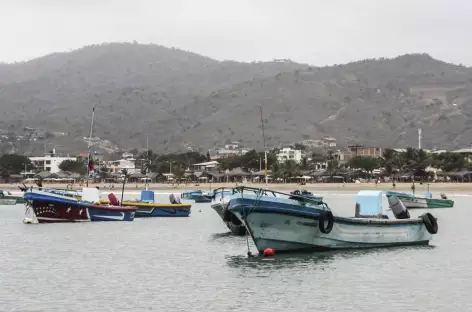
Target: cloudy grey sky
x=311, y=31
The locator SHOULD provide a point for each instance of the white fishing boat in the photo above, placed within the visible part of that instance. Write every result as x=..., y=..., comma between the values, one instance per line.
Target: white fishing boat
x=219, y=203
x=290, y=224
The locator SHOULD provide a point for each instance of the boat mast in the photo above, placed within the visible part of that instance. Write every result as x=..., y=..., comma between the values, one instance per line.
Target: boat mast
x=89, y=146
x=148, y=160
x=265, y=150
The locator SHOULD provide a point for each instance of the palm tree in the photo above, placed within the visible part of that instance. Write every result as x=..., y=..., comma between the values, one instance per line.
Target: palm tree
x=416, y=161
x=304, y=164
x=389, y=161
x=332, y=162
x=276, y=169
x=289, y=168
x=125, y=174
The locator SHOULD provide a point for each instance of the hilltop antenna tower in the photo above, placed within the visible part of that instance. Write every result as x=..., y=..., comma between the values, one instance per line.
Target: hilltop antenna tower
x=419, y=138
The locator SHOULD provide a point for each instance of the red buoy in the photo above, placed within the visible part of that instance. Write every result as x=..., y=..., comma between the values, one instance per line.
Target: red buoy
x=269, y=252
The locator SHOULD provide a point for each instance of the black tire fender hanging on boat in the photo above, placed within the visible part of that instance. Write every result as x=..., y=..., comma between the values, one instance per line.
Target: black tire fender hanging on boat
x=326, y=216
x=430, y=223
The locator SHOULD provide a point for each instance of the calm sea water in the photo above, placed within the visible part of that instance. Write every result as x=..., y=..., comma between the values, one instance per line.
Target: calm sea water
x=193, y=264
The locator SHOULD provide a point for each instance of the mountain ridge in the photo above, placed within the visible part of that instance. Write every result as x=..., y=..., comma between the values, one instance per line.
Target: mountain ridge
x=183, y=99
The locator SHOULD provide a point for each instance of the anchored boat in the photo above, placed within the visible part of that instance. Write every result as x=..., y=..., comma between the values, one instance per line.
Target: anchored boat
x=146, y=207
x=411, y=201
x=47, y=207
x=305, y=193
x=204, y=198
x=285, y=224
x=7, y=198
x=191, y=194
x=220, y=199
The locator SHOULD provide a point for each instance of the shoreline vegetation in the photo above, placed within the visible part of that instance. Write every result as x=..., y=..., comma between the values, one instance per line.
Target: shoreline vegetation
x=435, y=188
x=186, y=170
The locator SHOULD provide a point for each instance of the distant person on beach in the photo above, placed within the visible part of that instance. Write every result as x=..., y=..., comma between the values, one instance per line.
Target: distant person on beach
x=413, y=187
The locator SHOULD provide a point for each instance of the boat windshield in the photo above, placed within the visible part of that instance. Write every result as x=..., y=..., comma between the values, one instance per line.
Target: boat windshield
x=310, y=200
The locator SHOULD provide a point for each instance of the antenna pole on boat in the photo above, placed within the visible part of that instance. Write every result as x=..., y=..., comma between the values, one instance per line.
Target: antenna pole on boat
x=89, y=145
x=148, y=160
x=125, y=176
x=265, y=150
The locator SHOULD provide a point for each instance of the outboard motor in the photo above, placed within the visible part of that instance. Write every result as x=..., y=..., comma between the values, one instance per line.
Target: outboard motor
x=295, y=193
x=443, y=196
x=398, y=209
x=174, y=199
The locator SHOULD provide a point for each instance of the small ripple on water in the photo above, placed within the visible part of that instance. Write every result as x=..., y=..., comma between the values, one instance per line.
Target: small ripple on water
x=194, y=264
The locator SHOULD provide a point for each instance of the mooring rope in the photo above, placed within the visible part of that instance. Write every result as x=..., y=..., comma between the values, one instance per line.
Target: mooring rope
x=259, y=195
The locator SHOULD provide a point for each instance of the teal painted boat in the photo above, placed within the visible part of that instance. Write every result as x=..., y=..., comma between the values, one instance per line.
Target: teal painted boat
x=412, y=201
x=7, y=198
x=191, y=194
x=7, y=202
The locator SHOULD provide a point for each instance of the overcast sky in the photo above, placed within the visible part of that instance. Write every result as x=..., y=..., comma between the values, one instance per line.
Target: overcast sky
x=309, y=31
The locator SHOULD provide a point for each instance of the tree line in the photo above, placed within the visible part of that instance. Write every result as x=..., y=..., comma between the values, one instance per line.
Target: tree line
x=411, y=161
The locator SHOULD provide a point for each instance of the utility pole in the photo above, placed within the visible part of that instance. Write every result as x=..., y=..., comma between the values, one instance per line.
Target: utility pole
x=147, y=153
x=419, y=138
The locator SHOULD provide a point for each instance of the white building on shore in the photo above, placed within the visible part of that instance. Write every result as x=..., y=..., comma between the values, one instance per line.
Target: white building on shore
x=289, y=153
x=127, y=162
x=50, y=161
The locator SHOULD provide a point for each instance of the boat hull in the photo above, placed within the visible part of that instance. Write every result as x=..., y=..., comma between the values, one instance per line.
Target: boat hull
x=149, y=210
x=54, y=212
x=20, y=200
x=424, y=203
x=291, y=233
x=111, y=213
x=169, y=211
x=51, y=208
x=234, y=224
x=7, y=201
x=202, y=199
x=11, y=200
x=190, y=195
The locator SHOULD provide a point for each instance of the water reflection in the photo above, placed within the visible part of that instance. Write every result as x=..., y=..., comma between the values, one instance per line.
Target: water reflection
x=300, y=259
x=216, y=236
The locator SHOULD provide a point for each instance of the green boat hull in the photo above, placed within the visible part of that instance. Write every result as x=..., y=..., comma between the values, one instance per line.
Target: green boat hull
x=20, y=200
x=425, y=203
x=7, y=201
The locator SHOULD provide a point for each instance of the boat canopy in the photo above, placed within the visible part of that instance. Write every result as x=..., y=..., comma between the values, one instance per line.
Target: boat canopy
x=370, y=203
x=147, y=196
x=91, y=194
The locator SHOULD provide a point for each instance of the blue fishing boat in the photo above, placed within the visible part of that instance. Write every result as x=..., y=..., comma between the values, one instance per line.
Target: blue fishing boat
x=305, y=193
x=204, y=198
x=52, y=208
x=287, y=224
x=146, y=207
x=191, y=194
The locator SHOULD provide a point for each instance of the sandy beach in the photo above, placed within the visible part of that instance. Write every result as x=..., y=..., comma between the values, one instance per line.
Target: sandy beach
x=436, y=188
